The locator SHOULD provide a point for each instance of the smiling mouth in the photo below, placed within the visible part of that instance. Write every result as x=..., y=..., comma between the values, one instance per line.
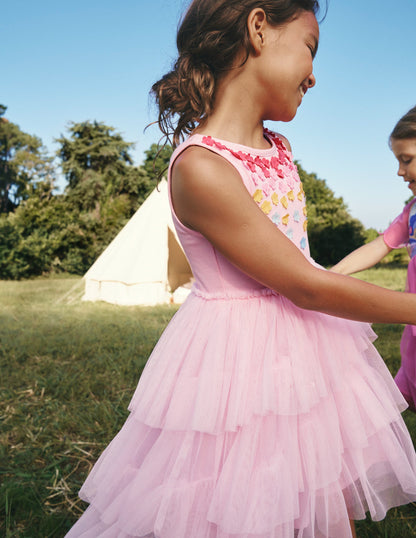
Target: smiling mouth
x=303, y=88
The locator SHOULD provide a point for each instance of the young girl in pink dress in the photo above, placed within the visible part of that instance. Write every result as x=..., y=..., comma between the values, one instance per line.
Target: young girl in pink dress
x=264, y=410
x=401, y=232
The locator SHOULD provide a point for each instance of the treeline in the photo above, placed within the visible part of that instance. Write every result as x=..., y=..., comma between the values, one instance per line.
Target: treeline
x=42, y=231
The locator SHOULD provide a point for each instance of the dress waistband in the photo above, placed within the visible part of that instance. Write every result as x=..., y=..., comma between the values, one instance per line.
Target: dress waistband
x=233, y=294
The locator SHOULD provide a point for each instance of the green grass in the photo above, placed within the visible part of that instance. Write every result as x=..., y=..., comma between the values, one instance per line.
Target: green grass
x=68, y=371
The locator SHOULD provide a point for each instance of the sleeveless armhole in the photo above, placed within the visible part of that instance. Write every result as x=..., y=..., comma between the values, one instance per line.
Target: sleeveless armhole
x=178, y=151
x=198, y=141
x=397, y=234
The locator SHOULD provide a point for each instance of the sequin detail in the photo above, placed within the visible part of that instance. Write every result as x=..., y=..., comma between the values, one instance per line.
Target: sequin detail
x=276, y=219
x=258, y=196
x=265, y=172
x=266, y=207
x=272, y=179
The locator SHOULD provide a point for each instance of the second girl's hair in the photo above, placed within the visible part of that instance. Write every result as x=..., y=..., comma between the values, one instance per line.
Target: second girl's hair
x=405, y=127
x=211, y=36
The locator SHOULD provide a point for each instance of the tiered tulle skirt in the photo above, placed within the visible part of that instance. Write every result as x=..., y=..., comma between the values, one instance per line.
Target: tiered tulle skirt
x=254, y=419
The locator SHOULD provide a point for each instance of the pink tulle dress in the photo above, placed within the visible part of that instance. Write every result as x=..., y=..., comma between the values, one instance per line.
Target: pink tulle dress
x=253, y=418
x=400, y=233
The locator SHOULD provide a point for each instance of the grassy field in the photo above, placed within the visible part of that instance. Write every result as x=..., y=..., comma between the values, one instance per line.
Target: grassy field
x=68, y=371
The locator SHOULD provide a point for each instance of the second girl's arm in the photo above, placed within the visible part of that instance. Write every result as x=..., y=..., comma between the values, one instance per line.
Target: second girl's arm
x=210, y=197
x=363, y=257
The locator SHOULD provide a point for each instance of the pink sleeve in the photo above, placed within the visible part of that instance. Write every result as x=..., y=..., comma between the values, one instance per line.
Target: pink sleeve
x=397, y=234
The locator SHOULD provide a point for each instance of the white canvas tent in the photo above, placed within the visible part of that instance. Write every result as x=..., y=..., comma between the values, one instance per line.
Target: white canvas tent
x=145, y=263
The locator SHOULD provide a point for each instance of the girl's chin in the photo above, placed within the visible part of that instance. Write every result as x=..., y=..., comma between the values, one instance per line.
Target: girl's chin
x=285, y=115
x=288, y=116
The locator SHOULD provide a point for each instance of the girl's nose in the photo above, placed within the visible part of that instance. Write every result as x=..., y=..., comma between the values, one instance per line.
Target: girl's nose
x=311, y=80
x=400, y=171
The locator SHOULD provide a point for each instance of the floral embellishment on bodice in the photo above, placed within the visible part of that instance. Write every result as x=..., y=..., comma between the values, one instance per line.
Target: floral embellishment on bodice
x=274, y=185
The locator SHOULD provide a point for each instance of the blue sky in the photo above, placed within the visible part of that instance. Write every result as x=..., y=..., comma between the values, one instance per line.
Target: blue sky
x=96, y=60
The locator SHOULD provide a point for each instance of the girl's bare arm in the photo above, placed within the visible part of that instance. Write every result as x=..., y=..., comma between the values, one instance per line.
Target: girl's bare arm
x=363, y=258
x=209, y=197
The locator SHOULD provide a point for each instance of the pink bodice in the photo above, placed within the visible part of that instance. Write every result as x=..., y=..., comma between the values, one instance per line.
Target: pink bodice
x=272, y=180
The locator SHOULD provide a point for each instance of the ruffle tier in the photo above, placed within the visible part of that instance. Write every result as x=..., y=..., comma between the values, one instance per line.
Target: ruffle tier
x=254, y=419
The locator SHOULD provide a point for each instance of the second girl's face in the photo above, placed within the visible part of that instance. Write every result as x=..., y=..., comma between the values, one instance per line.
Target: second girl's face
x=405, y=152
x=286, y=65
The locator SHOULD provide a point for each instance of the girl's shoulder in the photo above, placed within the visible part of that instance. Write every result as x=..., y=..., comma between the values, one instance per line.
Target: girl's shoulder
x=397, y=233
x=404, y=215
x=411, y=203
x=278, y=139
x=409, y=208
x=195, y=169
x=412, y=211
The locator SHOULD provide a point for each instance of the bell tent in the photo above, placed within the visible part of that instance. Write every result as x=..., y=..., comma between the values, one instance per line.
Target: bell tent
x=145, y=263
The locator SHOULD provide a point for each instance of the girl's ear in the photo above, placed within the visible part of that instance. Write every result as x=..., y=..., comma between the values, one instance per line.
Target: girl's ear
x=256, y=24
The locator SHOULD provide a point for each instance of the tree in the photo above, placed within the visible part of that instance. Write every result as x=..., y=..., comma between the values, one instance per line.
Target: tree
x=45, y=235
x=157, y=160
x=23, y=164
x=97, y=164
x=93, y=148
x=332, y=231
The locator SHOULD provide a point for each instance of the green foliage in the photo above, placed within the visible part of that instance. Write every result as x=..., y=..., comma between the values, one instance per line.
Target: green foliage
x=93, y=147
x=41, y=234
x=332, y=231
x=23, y=163
x=370, y=235
x=67, y=232
x=9, y=238
x=157, y=160
x=98, y=167
x=330, y=244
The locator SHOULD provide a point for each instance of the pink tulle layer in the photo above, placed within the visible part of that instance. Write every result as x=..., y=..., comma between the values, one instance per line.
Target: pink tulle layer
x=266, y=421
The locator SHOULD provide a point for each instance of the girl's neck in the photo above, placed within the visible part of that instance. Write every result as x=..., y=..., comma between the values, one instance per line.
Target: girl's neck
x=237, y=116
x=233, y=133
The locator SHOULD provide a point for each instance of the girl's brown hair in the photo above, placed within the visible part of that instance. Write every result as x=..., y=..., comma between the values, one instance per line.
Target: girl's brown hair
x=211, y=36
x=405, y=127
